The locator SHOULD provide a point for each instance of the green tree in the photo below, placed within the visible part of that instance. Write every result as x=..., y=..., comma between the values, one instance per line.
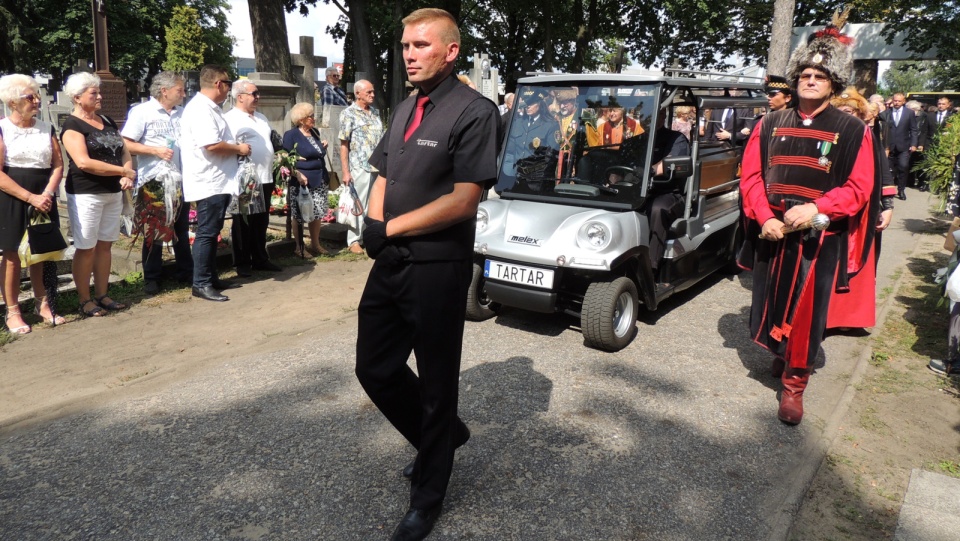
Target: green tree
x=184, y=44
x=52, y=35
x=906, y=76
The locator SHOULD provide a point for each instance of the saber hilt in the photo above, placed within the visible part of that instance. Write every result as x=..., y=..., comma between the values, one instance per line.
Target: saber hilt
x=819, y=222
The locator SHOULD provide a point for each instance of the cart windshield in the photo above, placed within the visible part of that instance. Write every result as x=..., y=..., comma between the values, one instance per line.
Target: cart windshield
x=587, y=144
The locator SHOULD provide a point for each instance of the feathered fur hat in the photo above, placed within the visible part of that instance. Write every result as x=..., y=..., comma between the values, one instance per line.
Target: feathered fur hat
x=827, y=50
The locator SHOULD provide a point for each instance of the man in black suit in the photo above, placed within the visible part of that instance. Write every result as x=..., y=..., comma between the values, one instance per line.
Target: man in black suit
x=728, y=125
x=902, y=141
x=937, y=121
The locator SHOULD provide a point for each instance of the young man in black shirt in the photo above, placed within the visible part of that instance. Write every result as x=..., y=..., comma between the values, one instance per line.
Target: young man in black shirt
x=435, y=160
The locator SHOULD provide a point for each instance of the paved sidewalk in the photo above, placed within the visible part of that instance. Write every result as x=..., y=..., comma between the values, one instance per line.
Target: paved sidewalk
x=674, y=438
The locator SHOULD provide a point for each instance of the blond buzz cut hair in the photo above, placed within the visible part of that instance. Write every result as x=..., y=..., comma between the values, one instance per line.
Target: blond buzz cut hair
x=449, y=32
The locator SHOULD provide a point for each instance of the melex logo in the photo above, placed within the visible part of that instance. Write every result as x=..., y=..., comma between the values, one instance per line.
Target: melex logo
x=525, y=240
x=426, y=143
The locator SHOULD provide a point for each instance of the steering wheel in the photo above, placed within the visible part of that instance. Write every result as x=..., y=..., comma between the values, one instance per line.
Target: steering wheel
x=622, y=170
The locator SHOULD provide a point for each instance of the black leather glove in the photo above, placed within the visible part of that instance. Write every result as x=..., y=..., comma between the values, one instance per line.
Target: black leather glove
x=374, y=236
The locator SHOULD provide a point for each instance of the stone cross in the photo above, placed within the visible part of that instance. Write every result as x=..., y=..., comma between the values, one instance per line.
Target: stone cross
x=305, y=66
x=101, y=47
x=113, y=91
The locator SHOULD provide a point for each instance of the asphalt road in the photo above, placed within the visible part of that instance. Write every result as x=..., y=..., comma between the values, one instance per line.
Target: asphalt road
x=673, y=438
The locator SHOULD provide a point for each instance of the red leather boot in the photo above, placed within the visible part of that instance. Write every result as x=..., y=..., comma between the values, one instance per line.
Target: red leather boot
x=791, y=398
x=776, y=368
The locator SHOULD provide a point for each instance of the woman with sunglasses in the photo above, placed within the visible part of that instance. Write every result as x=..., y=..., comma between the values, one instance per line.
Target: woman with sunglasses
x=100, y=168
x=32, y=169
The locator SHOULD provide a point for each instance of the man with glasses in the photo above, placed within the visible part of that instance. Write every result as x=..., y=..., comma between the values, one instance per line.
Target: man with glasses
x=152, y=134
x=209, y=153
x=799, y=163
x=331, y=95
x=248, y=230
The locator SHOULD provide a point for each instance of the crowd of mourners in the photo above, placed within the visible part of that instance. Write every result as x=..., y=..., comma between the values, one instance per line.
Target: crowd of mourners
x=172, y=158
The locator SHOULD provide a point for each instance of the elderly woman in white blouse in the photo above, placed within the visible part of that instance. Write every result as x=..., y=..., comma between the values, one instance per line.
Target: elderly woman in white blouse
x=32, y=169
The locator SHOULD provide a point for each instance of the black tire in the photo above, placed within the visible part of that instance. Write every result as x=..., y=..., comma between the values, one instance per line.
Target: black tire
x=731, y=267
x=479, y=306
x=609, y=316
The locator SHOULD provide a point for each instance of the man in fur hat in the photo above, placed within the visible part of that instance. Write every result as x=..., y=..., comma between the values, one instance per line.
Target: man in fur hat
x=799, y=163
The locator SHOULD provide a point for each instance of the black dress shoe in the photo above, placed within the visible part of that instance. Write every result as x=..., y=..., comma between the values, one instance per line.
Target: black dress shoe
x=416, y=524
x=244, y=271
x=151, y=287
x=225, y=284
x=210, y=294
x=464, y=437
x=267, y=266
x=902, y=196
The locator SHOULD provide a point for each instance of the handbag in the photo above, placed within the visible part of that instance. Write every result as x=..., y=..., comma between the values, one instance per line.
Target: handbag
x=42, y=241
x=305, y=204
x=346, y=206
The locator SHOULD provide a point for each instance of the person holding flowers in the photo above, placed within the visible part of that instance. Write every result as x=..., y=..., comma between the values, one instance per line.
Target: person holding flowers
x=249, y=208
x=209, y=157
x=360, y=132
x=310, y=173
x=32, y=169
x=152, y=133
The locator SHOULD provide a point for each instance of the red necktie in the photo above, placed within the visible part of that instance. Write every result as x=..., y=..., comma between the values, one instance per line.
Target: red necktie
x=417, y=117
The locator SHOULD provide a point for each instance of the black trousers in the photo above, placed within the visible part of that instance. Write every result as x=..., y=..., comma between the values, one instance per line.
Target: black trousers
x=663, y=211
x=900, y=165
x=249, y=238
x=416, y=307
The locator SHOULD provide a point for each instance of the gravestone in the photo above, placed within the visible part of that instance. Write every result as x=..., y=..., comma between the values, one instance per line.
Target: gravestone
x=113, y=91
x=277, y=97
x=486, y=78
x=305, y=66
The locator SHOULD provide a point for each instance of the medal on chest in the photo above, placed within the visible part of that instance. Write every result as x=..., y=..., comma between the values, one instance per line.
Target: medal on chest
x=824, y=150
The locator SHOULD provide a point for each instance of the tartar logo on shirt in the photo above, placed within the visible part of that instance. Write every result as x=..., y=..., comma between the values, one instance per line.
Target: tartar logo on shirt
x=426, y=143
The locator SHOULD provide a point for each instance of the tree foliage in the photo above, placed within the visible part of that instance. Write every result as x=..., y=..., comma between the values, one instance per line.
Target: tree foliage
x=184, y=41
x=906, y=76
x=52, y=35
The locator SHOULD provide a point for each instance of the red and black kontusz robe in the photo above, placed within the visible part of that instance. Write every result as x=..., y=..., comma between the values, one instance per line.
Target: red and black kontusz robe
x=828, y=161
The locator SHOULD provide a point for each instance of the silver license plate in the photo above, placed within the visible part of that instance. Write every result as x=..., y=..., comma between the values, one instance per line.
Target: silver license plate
x=518, y=274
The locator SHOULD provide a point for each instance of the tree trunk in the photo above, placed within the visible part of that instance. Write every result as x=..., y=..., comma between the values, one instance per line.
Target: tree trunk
x=398, y=73
x=270, y=46
x=780, y=35
x=363, y=48
x=585, y=36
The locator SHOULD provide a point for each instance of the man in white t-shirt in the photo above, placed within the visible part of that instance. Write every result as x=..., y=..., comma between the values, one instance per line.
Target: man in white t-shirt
x=209, y=157
x=151, y=133
x=249, y=227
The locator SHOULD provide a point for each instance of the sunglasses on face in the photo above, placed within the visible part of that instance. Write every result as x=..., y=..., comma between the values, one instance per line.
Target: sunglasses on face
x=30, y=97
x=255, y=94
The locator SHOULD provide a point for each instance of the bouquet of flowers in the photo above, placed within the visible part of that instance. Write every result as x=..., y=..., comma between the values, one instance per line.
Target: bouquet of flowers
x=250, y=200
x=157, y=205
x=285, y=166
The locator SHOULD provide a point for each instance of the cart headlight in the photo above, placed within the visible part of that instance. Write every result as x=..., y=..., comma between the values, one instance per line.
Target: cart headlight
x=593, y=236
x=483, y=220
